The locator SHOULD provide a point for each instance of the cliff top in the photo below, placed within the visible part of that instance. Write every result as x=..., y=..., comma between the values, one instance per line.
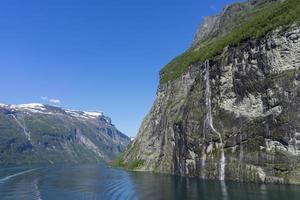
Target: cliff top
x=237, y=22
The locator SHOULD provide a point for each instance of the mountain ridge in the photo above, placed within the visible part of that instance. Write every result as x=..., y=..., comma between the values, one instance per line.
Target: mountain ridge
x=247, y=24
x=29, y=132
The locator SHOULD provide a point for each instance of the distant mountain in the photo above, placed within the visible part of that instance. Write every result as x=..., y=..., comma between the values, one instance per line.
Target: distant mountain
x=37, y=133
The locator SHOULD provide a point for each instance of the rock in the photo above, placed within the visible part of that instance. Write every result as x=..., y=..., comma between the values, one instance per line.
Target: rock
x=255, y=107
x=37, y=133
x=221, y=24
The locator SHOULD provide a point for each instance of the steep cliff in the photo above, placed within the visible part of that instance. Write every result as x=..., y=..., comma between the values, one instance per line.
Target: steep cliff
x=233, y=114
x=37, y=133
x=231, y=17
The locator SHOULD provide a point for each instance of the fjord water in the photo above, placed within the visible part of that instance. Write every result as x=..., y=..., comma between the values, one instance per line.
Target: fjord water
x=97, y=181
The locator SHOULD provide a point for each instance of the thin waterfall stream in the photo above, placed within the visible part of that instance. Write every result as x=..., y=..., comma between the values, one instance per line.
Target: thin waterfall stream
x=23, y=126
x=209, y=122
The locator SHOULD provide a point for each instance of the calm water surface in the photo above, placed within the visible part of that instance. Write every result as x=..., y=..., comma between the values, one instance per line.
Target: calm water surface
x=72, y=182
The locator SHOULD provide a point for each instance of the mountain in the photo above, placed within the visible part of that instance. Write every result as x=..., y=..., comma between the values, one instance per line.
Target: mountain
x=229, y=107
x=37, y=133
x=231, y=17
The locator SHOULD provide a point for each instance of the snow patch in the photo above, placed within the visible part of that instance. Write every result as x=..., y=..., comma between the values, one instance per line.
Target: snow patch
x=94, y=114
x=84, y=115
x=31, y=107
x=42, y=109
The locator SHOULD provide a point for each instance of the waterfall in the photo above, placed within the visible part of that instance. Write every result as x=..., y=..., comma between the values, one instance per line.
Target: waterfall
x=23, y=126
x=209, y=121
x=222, y=165
x=203, y=160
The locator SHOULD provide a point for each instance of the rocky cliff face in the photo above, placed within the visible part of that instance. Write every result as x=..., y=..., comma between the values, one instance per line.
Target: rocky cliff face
x=234, y=117
x=229, y=18
x=37, y=133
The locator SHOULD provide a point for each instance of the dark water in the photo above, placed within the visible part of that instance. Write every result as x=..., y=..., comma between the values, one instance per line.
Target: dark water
x=72, y=182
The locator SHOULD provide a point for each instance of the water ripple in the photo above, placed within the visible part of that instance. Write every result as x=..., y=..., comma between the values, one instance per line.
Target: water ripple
x=2, y=180
x=98, y=182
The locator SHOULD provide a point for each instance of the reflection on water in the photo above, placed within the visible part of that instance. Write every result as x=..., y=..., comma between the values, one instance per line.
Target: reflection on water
x=223, y=189
x=101, y=182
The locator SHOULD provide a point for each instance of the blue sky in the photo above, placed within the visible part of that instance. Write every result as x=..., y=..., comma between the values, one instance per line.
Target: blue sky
x=94, y=55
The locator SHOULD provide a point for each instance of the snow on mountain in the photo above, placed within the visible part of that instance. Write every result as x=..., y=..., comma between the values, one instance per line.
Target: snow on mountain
x=40, y=133
x=83, y=114
x=95, y=114
x=49, y=109
x=31, y=107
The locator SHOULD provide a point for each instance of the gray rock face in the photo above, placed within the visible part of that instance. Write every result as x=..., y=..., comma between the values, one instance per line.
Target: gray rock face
x=209, y=25
x=37, y=133
x=220, y=23
x=255, y=107
x=224, y=22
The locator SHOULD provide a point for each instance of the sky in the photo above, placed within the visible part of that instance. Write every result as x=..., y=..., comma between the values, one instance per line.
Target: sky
x=94, y=55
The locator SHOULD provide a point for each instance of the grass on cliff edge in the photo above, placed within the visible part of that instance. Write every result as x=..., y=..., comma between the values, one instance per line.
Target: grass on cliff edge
x=267, y=19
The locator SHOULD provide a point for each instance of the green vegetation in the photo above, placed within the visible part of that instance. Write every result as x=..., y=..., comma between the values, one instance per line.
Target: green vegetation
x=54, y=139
x=265, y=19
x=135, y=164
x=282, y=75
x=131, y=165
x=118, y=162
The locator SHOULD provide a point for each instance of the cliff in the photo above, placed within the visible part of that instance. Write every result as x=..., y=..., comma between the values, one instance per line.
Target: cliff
x=232, y=114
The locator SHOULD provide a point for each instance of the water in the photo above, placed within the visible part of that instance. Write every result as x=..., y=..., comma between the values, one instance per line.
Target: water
x=97, y=181
x=209, y=123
